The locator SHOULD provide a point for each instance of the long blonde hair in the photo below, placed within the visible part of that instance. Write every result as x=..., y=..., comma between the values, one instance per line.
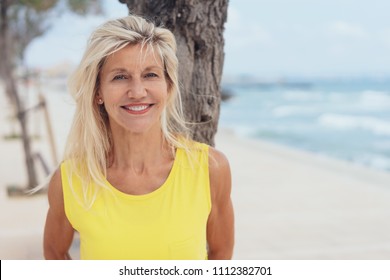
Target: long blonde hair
x=90, y=141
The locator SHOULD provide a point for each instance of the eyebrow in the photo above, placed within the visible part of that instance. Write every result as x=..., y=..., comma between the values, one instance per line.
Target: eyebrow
x=117, y=70
x=148, y=68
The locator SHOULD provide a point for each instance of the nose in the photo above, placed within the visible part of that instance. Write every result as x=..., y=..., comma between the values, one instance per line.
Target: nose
x=136, y=89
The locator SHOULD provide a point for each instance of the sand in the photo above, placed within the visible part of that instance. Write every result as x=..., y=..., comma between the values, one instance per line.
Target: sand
x=288, y=204
x=294, y=205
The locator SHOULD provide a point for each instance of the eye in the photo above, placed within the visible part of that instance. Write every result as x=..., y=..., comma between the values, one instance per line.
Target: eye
x=151, y=75
x=120, y=77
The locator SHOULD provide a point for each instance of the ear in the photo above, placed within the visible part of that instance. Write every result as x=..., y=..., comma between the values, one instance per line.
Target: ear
x=99, y=99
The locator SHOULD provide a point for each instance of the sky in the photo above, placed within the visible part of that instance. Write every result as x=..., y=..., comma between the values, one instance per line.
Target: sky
x=264, y=38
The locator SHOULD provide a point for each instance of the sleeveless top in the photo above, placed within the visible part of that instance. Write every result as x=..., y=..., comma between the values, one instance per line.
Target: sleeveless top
x=168, y=223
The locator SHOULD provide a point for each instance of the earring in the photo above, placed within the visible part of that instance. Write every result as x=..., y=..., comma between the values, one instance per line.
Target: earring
x=100, y=101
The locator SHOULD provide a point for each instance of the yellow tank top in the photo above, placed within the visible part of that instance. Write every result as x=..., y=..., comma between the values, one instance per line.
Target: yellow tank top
x=168, y=223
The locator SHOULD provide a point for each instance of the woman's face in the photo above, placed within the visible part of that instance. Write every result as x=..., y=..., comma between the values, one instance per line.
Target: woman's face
x=134, y=89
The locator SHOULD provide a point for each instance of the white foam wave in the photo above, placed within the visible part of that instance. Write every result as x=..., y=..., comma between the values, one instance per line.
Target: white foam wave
x=375, y=161
x=346, y=122
x=288, y=110
x=375, y=99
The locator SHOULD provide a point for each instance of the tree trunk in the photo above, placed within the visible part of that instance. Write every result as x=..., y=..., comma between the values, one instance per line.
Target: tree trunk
x=7, y=74
x=198, y=27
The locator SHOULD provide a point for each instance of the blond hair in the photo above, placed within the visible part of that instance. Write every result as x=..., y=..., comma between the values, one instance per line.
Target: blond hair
x=90, y=141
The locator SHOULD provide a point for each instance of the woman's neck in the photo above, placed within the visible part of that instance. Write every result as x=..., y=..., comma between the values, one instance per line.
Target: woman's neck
x=137, y=151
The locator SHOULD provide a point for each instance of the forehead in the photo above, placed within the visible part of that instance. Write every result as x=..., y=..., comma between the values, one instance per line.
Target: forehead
x=134, y=57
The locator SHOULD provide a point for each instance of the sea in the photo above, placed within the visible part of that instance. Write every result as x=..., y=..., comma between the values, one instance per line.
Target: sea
x=347, y=119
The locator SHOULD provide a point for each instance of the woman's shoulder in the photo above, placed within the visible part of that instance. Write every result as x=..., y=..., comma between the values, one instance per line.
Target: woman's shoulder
x=192, y=145
x=216, y=157
x=220, y=175
x=55, y=194
x=218, y=162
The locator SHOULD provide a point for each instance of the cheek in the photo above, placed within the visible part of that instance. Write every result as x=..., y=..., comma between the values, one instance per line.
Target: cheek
x=110, y=94
x=111, y=108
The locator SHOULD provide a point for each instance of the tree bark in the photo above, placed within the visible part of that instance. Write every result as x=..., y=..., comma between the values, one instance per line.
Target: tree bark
x=198, y=27
x=7, y=74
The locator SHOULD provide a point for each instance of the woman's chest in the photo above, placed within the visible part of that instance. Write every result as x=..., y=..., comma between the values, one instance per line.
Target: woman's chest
x=160, y=228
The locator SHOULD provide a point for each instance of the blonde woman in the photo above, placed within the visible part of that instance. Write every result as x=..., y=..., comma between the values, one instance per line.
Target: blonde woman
x=132, y=184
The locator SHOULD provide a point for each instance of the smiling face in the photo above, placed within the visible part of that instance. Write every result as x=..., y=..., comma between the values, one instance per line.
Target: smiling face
x=134, y=89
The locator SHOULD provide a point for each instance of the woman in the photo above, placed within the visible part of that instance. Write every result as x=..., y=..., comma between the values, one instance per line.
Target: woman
x=132, y=184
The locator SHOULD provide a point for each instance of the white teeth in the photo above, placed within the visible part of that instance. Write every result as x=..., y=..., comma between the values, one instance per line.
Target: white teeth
x=137, y=108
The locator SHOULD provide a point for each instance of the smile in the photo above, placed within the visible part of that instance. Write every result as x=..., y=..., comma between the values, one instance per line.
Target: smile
x=137, y=109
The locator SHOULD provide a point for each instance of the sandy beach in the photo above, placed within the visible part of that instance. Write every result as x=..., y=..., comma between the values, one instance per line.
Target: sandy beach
x=294, y=205
x=289, y=204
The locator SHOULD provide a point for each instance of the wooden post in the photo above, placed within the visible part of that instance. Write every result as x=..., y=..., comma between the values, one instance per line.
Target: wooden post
x=53, y=149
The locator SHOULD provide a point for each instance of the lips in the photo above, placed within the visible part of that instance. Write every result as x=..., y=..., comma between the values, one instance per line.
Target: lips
x=137, y=109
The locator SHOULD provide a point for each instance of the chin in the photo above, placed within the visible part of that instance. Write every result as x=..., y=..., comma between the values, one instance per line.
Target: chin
x=143, y=128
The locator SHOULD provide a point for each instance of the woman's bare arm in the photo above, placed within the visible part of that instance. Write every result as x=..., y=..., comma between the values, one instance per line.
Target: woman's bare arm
x=58, y=235
x=220, y=226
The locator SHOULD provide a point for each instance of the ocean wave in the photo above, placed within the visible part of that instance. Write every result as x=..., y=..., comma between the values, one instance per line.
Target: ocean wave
x=346, y=122
x=374, y=161
x=336, y=97
x=375, y=99
x=382, y=145
x=288, y=110
x=300, y=95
